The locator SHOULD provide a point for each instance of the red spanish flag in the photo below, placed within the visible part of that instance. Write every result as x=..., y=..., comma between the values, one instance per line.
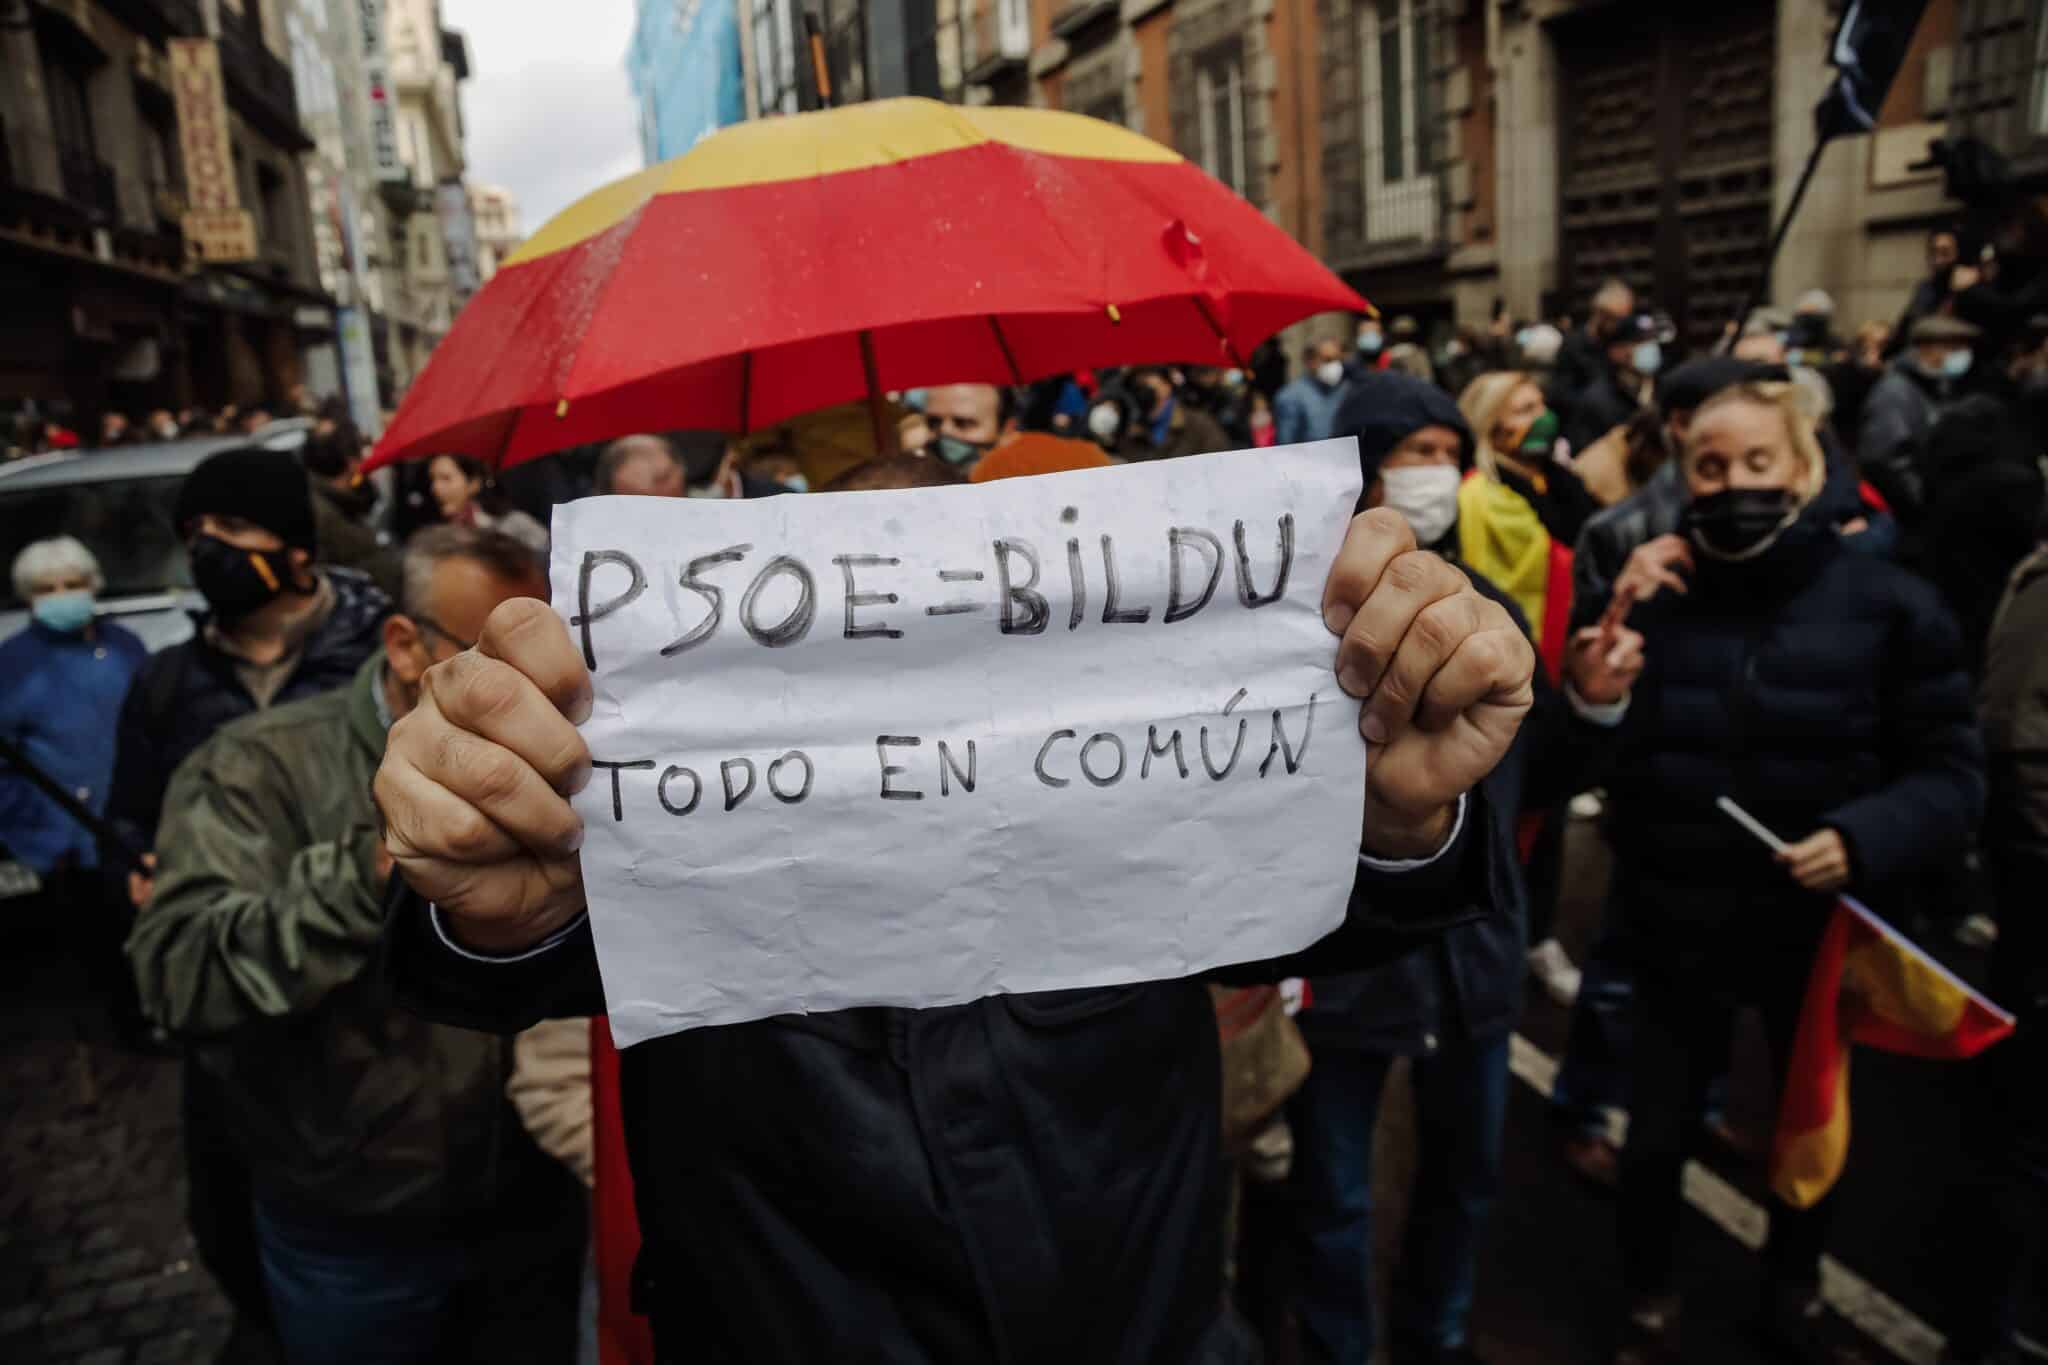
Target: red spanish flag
x=1871, y=986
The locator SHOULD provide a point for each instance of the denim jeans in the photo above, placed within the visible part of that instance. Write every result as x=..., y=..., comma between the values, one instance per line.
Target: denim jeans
x=342, y=1293
x=1460, y=1105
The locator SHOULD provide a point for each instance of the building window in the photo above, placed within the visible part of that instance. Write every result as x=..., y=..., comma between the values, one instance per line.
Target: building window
x=1219, y=105
x=921, y=29
x=1400, y=181
x=775, y=54
x=2041, y=77
x=1109, y=108
x=273, y=207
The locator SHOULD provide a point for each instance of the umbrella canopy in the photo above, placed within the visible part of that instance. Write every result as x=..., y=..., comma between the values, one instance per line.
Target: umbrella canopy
x=788, y=264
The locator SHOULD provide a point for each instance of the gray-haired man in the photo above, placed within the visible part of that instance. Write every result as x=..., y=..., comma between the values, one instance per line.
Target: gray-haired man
x=386, y=1165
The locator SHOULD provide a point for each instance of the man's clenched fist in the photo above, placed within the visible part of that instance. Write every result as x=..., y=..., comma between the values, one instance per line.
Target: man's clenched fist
x=476, y=781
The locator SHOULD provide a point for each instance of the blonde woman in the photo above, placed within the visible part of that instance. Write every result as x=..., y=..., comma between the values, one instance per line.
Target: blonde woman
x=1821, y=689
x=1521, y=512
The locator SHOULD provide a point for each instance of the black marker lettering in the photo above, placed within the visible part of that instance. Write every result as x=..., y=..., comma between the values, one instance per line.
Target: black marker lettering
x=1153, y=748
x=1280, y=746
x=1036, y=612
x=1111, y=614
x=618, y=807
x=1245, y=592
x=847, y=564
x=946, y=762
x=1079, y=607
x=585, y=613
x=710, y=592
x=696, y=790
x=1039, y=767
x=1209, y=764
x=1089, y=747
x=1180, y=538
x=792, y=627
x=810, y=773
x=733, y=798
x=889, y=770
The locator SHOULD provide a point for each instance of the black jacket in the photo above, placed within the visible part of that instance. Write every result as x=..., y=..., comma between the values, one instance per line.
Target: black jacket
x=1597, y=410
x=188, y=691
x=1467, y=982
x=1581, y=362
x=1897, y=417
x=1022, y=1179
x=1984, y=495
x=1817, y=687
x=1611, y=536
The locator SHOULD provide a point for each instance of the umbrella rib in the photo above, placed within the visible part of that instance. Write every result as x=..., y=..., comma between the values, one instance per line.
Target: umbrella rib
x=1016, y=375
x=1229, y=347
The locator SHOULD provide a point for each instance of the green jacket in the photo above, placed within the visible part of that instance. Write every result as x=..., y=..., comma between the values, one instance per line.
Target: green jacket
x=261, y=944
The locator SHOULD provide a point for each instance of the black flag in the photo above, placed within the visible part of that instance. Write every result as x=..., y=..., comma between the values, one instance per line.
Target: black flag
x=1869, y=45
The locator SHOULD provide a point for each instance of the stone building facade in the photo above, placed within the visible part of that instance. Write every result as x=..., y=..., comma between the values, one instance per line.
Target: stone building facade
x=1453, y=157
x=109, y=306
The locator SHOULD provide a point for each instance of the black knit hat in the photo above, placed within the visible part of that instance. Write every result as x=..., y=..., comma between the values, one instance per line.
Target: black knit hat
x=1693, y=383
x=265, y=488
x=1384, y=407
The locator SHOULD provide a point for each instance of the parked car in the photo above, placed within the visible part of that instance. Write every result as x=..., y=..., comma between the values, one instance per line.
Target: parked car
x=120, y=502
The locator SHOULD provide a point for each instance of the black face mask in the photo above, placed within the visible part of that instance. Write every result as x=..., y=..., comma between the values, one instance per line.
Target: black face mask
x=1737, y=523
x=237, y=582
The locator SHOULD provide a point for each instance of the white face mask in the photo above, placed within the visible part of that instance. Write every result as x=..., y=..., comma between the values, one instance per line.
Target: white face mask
x=1426, y=495
x=1330, y=373
x=1103, y=420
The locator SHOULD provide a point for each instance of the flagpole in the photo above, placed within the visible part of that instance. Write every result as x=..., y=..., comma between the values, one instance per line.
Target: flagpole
x=1763, y=279
x=1863, y=912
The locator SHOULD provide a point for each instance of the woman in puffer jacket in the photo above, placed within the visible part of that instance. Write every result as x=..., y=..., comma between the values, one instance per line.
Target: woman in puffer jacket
x=1824, y=692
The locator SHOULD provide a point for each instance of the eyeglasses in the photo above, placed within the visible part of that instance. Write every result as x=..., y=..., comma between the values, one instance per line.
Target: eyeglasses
x=429, y=623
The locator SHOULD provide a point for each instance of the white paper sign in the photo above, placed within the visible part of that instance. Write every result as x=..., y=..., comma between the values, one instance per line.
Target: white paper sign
x=915, y=748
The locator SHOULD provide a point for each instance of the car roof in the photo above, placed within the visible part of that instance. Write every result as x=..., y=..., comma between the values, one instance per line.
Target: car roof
x=162, y=459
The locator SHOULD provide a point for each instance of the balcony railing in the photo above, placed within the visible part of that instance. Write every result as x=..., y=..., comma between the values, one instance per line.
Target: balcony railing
x=260, y=85
x=995, y=40
x=87, y=181
x=71, y=192
x=160, y=18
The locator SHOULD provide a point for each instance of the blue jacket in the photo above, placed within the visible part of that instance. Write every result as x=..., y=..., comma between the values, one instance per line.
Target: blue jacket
x=59, y=697
x=1306, y=411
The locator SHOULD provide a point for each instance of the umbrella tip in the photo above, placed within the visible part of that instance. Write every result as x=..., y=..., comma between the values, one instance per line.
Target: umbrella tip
x=1114, y=316
x=561, y=407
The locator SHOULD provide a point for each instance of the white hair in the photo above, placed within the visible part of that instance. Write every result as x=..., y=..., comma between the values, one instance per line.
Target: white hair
x=1540, y=344
x=42, y=560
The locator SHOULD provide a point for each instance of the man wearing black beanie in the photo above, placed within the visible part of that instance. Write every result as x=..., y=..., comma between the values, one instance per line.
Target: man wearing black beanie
x=276, y=629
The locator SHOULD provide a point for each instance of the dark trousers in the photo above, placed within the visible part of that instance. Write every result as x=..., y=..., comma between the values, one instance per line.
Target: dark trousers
x=1460, y=1104
x=1682, y=1024
x=361, y=1292
x=2000, y=1215
x=1593, y=1074
x=1998, y=1227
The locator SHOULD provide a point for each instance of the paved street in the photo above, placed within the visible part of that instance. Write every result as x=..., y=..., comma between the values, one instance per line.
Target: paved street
x=96, y=1265
x=95, y=1262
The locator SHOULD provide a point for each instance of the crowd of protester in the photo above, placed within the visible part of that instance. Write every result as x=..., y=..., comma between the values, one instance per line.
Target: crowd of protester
x=1805, y=570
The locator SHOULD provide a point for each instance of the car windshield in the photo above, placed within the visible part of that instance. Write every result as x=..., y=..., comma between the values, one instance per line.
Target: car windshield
x=126, y=523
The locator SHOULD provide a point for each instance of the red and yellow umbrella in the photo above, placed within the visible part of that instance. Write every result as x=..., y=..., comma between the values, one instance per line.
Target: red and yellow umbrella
x=789, y=264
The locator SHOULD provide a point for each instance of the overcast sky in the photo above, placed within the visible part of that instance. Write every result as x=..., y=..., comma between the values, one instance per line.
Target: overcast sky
x=546, y=108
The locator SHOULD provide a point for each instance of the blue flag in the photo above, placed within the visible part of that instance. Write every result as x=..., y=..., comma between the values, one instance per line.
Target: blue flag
x=1869, y=45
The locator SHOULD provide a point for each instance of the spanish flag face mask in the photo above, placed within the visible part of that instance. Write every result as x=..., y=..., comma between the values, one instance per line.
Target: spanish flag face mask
x=236, y=582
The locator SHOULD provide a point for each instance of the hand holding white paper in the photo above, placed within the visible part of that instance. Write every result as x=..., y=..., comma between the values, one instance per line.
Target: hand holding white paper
x=915, y=748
